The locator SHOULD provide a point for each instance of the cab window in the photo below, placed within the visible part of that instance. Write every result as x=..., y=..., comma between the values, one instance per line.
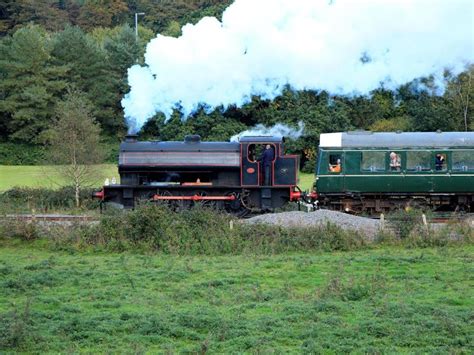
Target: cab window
x=373, y=161
x=463, y=160
x=418, y=161
x=254, y=151
x=335, y=163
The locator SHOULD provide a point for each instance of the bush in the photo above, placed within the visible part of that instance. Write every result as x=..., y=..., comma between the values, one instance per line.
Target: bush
x=309, y=166
x=21, y=154
x=404, y=222
x=14, y=328
x=44, y=200
x=201, y=230
x=26, y=154
x=205, y=231
x=19, y=228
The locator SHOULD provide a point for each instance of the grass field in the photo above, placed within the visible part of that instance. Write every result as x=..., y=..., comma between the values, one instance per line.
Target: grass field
x=381, y=300
x=40, y=176
x=46, y=176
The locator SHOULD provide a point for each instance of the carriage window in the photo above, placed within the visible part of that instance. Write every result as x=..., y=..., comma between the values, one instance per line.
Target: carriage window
x=441, y=162
x=463, y=160
x=373, y=161
x=418, y=161
x=395, y=161
x=335, y=163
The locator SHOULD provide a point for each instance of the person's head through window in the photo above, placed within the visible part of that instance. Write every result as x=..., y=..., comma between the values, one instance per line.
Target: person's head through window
x=395, y=162
x=335, y=168
x=439, y=162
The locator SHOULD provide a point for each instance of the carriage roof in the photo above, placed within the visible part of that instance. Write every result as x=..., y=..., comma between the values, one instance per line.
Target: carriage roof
x=365, y=139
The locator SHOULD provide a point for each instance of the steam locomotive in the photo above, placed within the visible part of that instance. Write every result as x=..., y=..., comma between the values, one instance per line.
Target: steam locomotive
x=225, y=175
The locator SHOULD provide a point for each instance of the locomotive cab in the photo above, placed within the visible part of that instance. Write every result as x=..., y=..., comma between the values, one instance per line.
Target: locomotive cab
x=284, y=168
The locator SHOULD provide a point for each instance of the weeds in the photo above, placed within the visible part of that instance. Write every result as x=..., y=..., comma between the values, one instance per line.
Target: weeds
x=19, y=228
x=404, y=222
x=14, y=328
x=155, y=228
x=204, y=231
x=44, y=200
x=346, y=288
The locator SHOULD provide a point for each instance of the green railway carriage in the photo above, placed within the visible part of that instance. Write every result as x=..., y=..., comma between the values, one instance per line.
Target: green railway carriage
x=376, y=172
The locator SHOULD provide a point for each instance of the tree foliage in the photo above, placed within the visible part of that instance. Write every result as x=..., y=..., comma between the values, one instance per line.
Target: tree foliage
x=74, y=142
x=49, y=45
x=30, y=83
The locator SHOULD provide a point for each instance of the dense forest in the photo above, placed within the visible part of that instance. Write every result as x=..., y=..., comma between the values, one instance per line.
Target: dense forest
x=48, y=47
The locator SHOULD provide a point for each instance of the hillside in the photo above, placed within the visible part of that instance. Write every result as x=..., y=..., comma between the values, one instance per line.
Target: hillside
x=48, y=46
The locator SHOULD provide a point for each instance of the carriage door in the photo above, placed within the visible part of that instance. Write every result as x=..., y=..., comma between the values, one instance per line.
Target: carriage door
x=249, y=167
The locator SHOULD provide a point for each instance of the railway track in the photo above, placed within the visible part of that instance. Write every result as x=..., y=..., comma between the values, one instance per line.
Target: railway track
x=49, y=217
x=442, y=217
x=436, y=218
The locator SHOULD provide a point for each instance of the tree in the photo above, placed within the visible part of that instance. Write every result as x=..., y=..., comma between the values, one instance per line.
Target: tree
x=89, y=72
x=15, y=14
x=426, y=110
x=73, y=141
x=30, y=85
x=460, y=92
x=102, y=13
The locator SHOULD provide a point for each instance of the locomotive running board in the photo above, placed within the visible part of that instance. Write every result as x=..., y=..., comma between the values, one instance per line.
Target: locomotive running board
x=194, y=198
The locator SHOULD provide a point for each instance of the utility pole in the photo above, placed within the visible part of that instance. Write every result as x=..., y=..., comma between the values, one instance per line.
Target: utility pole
x=136, y=23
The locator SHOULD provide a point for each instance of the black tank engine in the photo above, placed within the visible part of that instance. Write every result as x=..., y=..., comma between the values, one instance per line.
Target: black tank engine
x=225, y=175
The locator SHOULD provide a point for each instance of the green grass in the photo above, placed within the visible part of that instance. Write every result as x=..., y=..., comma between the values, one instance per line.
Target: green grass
x=381, y=300
x=306, y=181
x=46, y=176
x=39, y=176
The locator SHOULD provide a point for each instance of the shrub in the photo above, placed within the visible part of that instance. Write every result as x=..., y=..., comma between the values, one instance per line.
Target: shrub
x=19, y=228
x=14, y=328
x=309, y=166
x=205, y=231
x=27, y=154
x=404, y=222
x=21, y=154
x=44, y=200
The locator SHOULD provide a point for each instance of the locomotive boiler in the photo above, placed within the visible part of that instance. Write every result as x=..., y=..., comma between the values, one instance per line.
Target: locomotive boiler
x=224, y=175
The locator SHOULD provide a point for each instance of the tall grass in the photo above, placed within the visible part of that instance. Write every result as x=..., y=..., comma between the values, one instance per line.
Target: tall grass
x=155, y=228
x=43, y=200
x=203, y=231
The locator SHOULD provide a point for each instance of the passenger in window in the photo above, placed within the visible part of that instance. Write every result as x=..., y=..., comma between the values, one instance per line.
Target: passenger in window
x=395, y=162
x=335, y=168
x=439, y=162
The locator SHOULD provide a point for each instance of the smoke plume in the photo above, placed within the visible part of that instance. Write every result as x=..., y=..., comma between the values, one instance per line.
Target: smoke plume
x=345, y=47
x=278, y=130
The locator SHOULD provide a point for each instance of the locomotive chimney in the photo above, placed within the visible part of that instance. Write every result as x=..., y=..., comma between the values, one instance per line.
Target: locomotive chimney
x=131, y=138
x=192, y=139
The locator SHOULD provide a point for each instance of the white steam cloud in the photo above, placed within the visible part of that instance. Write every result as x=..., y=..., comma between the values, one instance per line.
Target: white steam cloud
x=342, y=46
x=278, y=130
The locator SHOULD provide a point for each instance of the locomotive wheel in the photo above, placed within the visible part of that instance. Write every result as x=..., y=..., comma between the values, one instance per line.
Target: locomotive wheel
x=204, y=203
x=174, y=205
x=237, y=207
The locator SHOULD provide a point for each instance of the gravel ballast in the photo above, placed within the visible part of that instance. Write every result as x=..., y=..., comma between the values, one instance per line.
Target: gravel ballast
x=366, y=226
